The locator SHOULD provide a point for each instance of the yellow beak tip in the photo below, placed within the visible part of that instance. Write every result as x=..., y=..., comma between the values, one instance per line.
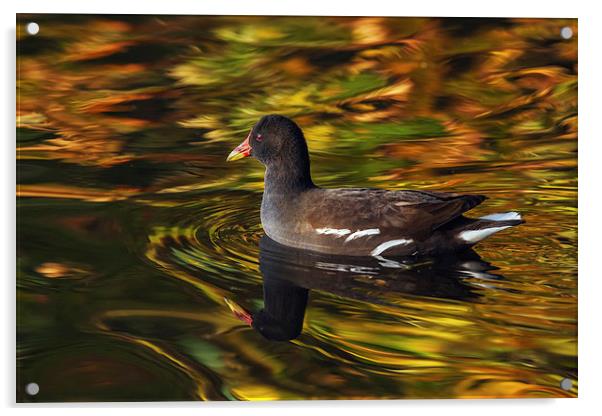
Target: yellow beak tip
x=234, y=156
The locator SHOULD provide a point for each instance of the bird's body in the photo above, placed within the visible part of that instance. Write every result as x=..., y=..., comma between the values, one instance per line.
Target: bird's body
x=356, y=221
x=375, y=222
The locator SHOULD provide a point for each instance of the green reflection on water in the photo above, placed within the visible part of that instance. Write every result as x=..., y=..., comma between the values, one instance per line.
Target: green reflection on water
x=132, y=228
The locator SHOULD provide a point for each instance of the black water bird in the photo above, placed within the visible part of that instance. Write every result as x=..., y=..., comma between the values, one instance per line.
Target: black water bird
x=356, y=221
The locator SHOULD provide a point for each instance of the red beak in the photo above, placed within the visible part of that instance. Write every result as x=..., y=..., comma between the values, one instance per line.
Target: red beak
x=242, y=150
x=240, y=312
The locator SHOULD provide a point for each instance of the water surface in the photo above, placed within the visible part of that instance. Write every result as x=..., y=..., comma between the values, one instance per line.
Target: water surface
x=132, y=229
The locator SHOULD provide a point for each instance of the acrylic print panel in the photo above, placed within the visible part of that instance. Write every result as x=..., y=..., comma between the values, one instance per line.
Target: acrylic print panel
x=149, y=270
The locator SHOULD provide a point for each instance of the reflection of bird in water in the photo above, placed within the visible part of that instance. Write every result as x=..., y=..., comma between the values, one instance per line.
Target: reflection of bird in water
x=289, y=274
x=356, y=222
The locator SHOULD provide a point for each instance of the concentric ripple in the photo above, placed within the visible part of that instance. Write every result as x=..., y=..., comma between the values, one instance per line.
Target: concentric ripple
x=218, y=235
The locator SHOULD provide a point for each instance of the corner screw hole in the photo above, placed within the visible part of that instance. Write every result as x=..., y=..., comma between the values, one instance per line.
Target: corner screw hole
x=566, y=384
x=32, y=28
x=566, y=33
x=32, y=389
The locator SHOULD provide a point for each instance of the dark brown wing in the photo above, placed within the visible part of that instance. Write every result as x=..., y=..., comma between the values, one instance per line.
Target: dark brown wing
x=445, y=207
x=413, y=213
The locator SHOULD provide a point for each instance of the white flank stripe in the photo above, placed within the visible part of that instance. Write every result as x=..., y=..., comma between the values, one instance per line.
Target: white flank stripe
x=388, y=244
x=333, y=231
x=474, y=236
x=502, y=216
x=362, y=233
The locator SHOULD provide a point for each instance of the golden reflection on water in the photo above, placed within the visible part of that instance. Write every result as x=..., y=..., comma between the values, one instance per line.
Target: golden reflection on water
x=133, y=230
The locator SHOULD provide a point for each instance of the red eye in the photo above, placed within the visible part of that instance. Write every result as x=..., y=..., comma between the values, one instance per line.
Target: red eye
x=258, y=138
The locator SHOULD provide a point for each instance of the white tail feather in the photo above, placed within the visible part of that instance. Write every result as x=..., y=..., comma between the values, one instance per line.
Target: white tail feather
x=474, y=236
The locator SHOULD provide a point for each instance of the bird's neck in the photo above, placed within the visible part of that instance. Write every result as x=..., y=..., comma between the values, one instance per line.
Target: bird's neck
x=283, y=180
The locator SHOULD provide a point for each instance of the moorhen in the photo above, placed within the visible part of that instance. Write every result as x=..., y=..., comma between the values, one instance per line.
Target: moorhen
x=356, y=221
